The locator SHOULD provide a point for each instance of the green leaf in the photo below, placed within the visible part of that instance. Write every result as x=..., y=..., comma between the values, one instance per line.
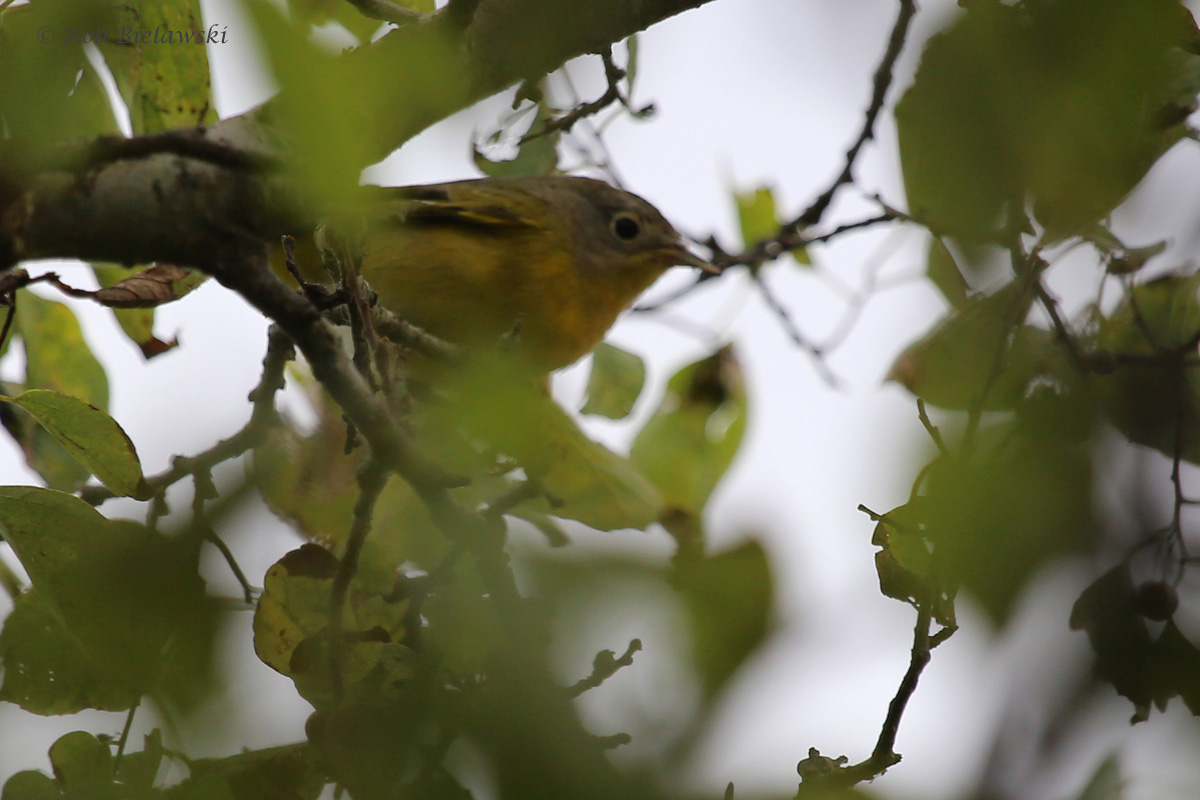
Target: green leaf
x=30, y=784
x=91, y=436
x=115, y=599
x=729, y=597
x=285, y=772
x=687, y=446
x=1151, y=388
x=206, y=787
x=1067, y=104
x=942, y=270
x=757, y=218
x=983, y=350
x=330, y=102
x=47, y=670
x=615, y=383
x=1023, y=499
x=58, y=358
x=506, y=412
x=44, y=98
x=56, y=355
x=464, y=627
x=311, y=482
x=138, y=770
x=81, y=762
x=906, y=565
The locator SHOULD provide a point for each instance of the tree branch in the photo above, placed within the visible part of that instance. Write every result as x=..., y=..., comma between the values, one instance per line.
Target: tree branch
x=184, y=197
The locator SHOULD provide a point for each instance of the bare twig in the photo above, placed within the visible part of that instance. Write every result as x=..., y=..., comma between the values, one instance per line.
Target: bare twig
x=125, y=729
x=371, y=480
x=399, y=330
x=884, y=755
x=882, y=80
x=253, y=433
x=613, y=75
x=1065, y=337
x=931, y=429
x=604, y=666
x=785, y=319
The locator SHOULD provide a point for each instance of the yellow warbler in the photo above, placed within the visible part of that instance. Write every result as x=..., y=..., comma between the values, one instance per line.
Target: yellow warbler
x=554, y=259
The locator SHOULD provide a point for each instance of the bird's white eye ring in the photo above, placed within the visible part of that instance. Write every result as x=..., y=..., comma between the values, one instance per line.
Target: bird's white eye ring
x=626, y=227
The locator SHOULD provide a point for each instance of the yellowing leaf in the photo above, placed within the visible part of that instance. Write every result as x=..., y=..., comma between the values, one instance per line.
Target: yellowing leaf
x=291, y=628
x=757, y=218
x=58, y=358
x=164, y=85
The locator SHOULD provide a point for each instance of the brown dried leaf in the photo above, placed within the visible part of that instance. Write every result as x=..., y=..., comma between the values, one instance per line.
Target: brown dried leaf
x=153, y=286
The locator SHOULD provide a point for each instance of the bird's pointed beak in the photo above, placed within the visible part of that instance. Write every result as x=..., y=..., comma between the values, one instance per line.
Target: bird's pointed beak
x=683, y=257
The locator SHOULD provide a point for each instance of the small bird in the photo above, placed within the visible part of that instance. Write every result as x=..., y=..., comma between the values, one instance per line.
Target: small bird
x=554, y=259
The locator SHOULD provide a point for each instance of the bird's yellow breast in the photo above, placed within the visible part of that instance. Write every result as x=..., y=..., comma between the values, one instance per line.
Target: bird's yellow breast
x=475, y=288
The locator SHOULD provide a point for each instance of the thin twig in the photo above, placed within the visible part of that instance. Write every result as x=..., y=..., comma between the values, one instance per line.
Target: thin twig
x=371, y=480
x=931, y=429
x=884, y=755
x=253, y=433
x=8, y=321
x=124, y=740
x=613, y=75
x=815, y=353
x=604, y=666
x=880, y=84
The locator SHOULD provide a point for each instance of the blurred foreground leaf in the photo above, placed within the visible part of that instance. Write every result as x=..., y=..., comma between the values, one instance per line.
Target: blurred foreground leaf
x=983, y=355
x=501, y=410
x=1067, y=103
x=1022, y=499
x=615, y=382
x=112, y=604
x=1153, y=389
x=690, y=442
x=729, y=597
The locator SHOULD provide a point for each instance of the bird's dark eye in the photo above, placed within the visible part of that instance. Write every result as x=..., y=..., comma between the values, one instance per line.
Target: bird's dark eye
x=625, y=227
